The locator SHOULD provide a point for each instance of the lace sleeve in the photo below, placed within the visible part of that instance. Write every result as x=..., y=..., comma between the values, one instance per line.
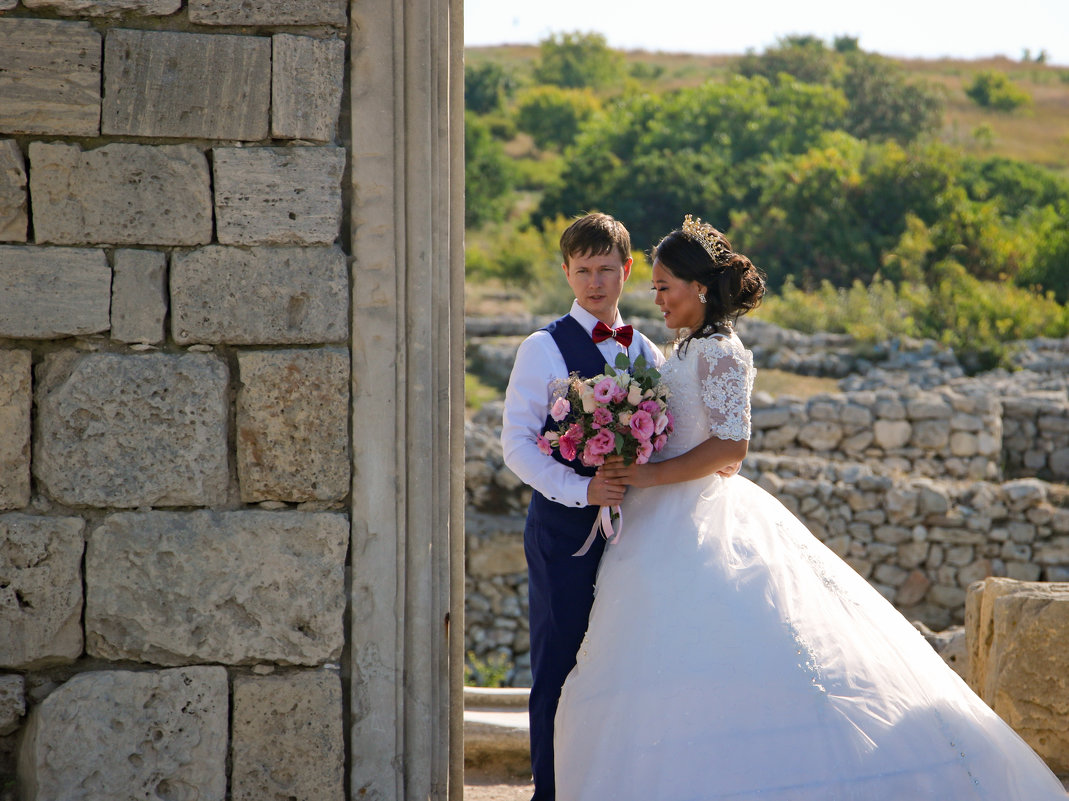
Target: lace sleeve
x=725, y=372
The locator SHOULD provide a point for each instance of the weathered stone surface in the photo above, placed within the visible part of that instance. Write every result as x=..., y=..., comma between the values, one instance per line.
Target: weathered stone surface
x=820, y=435
x=40, y=590
x=120, y=194
x=268, y=12
x=497, y=555
x=120, y=734
x=7, y=5
x=230, y=587
x=278, y=195
x=46, y=293
x=16, y=401
x=892, y=434
x=139, y=296
x=292, y=423
x=13, y=218
x=306, y=87
x=49, y=77
x=259, y=296
x=288, y=740
x=1022, y=666
x=12, y=702
x=107, y=8
x=191, y=85
x=118, y=430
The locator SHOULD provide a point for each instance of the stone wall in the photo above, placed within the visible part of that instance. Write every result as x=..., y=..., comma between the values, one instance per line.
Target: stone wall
x=175, y=461
x=920, y=539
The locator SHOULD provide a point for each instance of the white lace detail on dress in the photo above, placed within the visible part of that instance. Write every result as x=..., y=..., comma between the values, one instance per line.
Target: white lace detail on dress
x=726, y=372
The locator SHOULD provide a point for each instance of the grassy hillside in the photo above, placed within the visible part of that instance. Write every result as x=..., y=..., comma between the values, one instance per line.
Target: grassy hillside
x=1039, y=134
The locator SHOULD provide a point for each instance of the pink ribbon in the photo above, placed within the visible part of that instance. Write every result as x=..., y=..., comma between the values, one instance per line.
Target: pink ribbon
x=604, y=523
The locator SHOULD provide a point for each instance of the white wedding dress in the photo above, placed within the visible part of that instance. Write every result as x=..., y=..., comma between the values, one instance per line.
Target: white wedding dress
x=731, y=655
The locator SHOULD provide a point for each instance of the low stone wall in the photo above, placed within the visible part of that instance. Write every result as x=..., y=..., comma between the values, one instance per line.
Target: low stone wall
x=919, y=540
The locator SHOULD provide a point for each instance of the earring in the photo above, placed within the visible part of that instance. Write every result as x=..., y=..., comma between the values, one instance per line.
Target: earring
x=701, y=297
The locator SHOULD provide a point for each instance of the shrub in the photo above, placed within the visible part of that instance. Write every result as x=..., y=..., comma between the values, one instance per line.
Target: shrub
x=992, y=89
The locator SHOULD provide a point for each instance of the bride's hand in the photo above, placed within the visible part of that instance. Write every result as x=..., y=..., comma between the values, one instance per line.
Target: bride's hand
x=634, y=475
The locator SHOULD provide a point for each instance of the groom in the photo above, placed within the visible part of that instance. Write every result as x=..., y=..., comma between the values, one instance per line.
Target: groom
x=566, y=498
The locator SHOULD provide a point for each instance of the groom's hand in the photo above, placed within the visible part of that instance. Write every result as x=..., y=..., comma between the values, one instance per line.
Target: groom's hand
x=603, y=491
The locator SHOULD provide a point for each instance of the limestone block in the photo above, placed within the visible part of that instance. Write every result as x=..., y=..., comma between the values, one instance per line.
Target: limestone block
x=49, y=77
x=16, y=402
x=268, y=12
x=928, y=407
x=12, y=702
x=892, y=434
x=47, y=293
x=770, y=417
x=278, y=195
x=119, y=430
x=820, y=435
x=288, y=740
x=292, y=424
x=241, y=587
x=139, y=296
x=306, y=87
x=189, y=85
x=120, y=194
x=7, y=5
x=119, y=734
x=931, y=434
x=107, y=8
x=964, y=443
x=1059, y=463
x=497, y=555
x=250, y=296
x=1021, y=667
x=13, y=217
x=40, y=590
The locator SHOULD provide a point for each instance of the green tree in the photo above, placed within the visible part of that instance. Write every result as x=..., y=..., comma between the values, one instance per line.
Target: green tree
x=486, y=86
x=578, y=61
x=553, y=115
x=1014, y=185
x=883, y=104
x=650, y=159
x=805, y=58
x=1049, y=268
x=488, y=174
x=993, y=89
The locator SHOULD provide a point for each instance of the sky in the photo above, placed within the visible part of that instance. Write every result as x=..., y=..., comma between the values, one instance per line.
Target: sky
x=964, y=29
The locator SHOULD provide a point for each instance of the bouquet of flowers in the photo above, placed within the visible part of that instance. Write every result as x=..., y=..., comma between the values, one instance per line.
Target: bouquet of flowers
x=622, y=411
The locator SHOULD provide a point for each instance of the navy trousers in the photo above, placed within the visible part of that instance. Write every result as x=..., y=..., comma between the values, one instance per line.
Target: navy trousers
x=560, y=594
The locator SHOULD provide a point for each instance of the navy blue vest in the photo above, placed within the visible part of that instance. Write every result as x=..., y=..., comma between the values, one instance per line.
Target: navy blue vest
x=581, y=356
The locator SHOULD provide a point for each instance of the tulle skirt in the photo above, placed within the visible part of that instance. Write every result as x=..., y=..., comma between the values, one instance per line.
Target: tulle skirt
x=731, y=655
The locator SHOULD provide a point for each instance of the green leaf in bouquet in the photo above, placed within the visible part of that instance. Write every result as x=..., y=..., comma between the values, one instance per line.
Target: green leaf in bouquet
x=619, y=442
x=622, y=362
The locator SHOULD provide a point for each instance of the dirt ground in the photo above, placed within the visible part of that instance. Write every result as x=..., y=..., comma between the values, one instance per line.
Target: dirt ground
x=497, y=782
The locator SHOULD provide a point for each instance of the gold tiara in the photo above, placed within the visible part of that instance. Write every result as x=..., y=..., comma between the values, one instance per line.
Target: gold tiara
x=706, y=236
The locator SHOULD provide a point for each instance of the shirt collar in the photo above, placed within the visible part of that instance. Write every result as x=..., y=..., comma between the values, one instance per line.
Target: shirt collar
x=588, y=320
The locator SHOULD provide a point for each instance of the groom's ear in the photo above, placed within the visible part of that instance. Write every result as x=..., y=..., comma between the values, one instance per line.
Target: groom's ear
x=627, y=268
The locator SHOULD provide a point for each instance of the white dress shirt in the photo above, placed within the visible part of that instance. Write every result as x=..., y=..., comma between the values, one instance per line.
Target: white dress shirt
x=539, y=364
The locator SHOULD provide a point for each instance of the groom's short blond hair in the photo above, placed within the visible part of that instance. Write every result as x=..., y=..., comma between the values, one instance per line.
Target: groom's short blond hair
x=595, y=234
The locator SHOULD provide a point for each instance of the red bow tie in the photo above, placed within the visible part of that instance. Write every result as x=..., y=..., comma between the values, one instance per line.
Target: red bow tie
x=624, y=334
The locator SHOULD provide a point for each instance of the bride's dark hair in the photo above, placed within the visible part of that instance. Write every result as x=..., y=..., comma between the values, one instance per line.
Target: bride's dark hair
x=699, y=252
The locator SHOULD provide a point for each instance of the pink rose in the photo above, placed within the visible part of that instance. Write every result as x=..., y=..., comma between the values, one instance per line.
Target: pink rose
x=651, y=406
x=642, y=425
x=605, y=390
x=561, y=409
x=544, y=446
x=591, y=459
x=602, y=443
x=619, y=394
x=569, y=442
x=659, y=441
x=602, y=417
x=660, y=424
x=645, y=450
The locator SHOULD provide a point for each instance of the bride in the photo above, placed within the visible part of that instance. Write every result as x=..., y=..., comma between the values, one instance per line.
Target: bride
x=731, y=655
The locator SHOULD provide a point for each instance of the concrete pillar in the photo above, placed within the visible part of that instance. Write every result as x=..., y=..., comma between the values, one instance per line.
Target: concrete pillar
x=406, y=121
